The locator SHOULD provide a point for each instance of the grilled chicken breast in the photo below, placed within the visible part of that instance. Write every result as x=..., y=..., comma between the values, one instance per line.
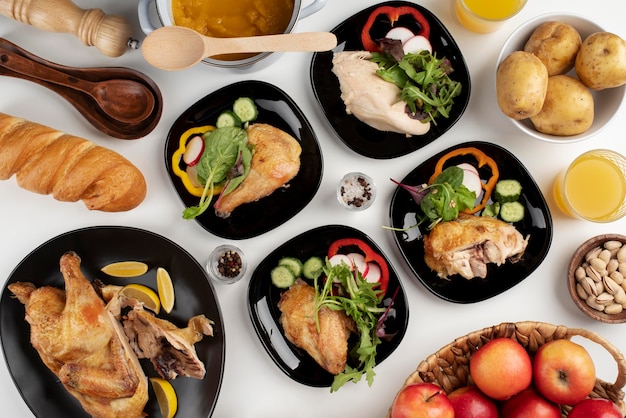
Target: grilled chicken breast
x=83, y=345
x=329, y=345
x=275, y=161
x=466, y=245
x=371, y=99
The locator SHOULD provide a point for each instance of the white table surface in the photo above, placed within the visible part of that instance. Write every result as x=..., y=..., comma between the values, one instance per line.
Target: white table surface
x=252, y=384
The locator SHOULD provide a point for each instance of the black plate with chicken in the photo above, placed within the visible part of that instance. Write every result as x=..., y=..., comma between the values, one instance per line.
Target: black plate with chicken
x=277, y=109
x=536, y=224
x=97, y=247
x=263, y=298
x=359, y=136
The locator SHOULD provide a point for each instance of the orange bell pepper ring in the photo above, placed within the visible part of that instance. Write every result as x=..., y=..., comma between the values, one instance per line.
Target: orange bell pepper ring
x=482, y=159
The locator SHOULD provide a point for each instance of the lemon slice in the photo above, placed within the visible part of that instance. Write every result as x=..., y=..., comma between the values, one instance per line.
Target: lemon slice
x=165, y=289
x=143, y=294
x=125, y=269
x=166, y=396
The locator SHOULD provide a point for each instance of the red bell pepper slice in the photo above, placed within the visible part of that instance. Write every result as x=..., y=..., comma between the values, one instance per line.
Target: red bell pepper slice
x=369, y=254
x=393, y=13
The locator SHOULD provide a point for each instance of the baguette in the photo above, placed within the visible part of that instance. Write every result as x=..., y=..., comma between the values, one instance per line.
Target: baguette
x=47, y=161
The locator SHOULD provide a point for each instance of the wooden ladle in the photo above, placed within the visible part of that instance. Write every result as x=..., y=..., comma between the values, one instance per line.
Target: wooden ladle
x=124, y=100
x=177, y=47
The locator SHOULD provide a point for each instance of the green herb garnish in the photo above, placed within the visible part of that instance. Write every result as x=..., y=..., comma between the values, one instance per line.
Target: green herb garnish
x=360, y=301
x=424, y=80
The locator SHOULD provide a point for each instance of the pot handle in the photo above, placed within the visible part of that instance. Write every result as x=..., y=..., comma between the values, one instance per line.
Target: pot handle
x=314, y=7
x=143, y=11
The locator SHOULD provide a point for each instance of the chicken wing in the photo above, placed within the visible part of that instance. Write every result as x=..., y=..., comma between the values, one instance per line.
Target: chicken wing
x=275, y=161
x=466, y=245
x=329, y=345
x=371, y=99
x=83, y=345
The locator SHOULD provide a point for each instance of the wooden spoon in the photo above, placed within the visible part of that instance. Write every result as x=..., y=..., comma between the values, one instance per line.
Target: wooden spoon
x=124, y=100
x=177, y=47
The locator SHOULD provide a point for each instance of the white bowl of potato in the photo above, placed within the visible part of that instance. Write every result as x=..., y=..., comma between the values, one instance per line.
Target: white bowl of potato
x=543, y=118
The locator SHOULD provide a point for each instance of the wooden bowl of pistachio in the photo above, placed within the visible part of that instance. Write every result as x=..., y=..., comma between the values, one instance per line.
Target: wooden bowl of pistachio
x=597, y=278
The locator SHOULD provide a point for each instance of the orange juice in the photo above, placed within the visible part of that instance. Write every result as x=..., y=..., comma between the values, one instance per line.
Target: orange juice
x=594, y=187
x=485, y=16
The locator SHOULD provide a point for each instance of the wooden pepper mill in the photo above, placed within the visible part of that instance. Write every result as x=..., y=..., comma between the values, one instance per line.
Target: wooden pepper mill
x=110, y=34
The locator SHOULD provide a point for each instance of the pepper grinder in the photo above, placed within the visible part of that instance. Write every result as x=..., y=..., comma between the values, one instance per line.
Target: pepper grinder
x=110, y=34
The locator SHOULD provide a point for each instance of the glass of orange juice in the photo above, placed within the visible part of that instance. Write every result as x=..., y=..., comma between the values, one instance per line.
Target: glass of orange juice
x=484, y=16
x=593, y=187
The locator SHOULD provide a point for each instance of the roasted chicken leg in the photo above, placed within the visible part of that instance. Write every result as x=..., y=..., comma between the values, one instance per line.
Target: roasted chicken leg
x=329, y=345
x=83, y=345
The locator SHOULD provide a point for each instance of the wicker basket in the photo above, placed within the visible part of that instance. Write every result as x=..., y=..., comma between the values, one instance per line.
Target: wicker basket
x=449, y=367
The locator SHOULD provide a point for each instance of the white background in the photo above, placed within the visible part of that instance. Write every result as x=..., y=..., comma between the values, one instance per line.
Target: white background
x=252, y=385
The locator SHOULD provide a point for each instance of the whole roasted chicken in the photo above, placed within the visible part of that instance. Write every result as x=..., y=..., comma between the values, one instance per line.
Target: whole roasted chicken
x=83, y=344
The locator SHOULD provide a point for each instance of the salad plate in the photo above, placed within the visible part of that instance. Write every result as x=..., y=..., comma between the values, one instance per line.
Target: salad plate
x=275, y=108
x=536, y=224
x=97, y=247
x=357, y=135
x=263, y=299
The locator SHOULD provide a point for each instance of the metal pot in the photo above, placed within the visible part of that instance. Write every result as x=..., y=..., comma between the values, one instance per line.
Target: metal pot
x=160, y=12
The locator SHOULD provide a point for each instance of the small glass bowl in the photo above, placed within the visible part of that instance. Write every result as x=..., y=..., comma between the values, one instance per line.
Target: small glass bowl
x=356, y=191
x=226, y=264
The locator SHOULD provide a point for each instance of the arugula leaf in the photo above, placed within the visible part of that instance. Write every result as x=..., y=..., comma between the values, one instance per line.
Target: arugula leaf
x=424, y=79
x=222, y=149
x=361, y=302
x=447, y=197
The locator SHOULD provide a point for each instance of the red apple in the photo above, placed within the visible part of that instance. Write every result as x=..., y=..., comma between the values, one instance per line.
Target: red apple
x=564, y=372
x=470, y=402
x=501, y=368
x=595, y=408
x=422, y=400
x=529, y=404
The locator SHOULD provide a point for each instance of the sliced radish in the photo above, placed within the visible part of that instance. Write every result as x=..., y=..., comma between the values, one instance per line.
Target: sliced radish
x=471, y=178
x=373, y=273
x=192, y=173
x=337, y=259
x=416, y=44
x=193, y=150
x=400, y=33
x=358, y=262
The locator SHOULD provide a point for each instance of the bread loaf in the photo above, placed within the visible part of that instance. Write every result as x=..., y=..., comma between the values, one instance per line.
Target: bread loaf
x=48, y=161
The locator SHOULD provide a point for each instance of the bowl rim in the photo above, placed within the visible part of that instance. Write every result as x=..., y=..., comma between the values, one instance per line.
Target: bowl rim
x=576, y=261
x=529, y=26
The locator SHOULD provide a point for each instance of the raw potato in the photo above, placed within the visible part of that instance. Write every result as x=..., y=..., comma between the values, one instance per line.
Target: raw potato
x=556, y=45
x=567, y=109
x=521, y=84
x=601, y=61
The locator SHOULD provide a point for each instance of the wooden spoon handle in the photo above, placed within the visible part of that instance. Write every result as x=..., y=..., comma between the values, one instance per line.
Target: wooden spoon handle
x=306, y=42
x=109, y=34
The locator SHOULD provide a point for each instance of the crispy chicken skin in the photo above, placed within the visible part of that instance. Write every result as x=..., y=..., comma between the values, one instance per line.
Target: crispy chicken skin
x=83, y=345
x=275, y=161
x=466, y=245
x=329, y=346
x=371, y=99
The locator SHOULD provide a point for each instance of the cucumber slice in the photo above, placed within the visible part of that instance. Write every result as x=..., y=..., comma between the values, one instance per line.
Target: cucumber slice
x=512, y=211
x=507, y=191
x=245, y=109
x=492, y=210
x=228, y=118
x=293, y=263
x=313, y=268
x=282, y=277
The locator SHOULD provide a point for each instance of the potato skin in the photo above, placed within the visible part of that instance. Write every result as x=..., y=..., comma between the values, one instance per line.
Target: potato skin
x=601, y=61
x=556, y=45
x=568, y=108
x=521, y=85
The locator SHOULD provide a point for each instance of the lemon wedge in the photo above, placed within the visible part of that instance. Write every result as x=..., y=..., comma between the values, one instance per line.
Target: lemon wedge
x=125, y=269
x=143, y=294
x=166, y=396
x=165, y=289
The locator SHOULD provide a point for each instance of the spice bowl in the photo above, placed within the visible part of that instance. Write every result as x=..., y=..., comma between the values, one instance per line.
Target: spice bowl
x=596, y=278
x=226, y=264
x=356, y=191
